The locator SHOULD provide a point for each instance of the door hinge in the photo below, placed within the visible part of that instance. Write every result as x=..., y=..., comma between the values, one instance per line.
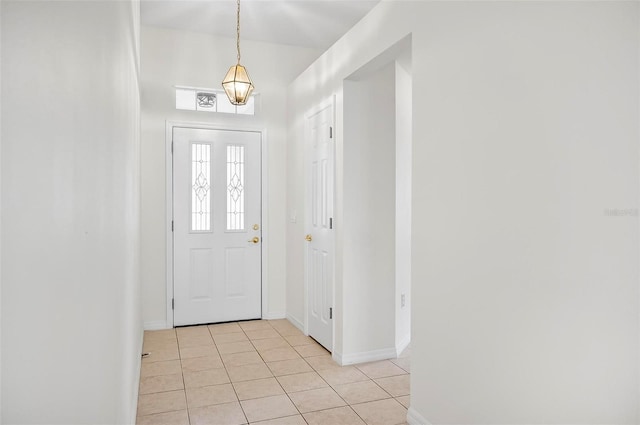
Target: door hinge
x=330, y=312
x=172, y=225
x=330, y=132
x=173, y=303
x=172, y=146
x=330, y=223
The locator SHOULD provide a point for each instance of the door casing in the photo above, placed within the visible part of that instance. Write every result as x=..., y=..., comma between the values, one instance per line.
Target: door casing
x=169, y=208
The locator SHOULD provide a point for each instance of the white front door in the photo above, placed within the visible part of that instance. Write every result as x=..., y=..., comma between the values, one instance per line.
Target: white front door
x=216, y=226
x=320, y=237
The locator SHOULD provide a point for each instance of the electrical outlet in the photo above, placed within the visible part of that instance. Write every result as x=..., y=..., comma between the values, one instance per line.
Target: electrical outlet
x=402, y=300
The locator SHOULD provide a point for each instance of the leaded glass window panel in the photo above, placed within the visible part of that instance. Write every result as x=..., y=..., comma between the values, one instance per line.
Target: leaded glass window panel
x=235, y=187
x=200, y=187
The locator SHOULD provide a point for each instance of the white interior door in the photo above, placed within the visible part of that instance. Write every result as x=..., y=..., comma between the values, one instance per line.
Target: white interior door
x=217, y=226
x=320, y=237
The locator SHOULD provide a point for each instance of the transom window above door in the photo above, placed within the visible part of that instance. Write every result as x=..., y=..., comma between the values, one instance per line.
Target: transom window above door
x=211, y=100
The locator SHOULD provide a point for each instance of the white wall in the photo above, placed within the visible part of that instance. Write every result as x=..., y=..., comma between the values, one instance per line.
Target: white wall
x=71, y=325
x=368, y=224
x=295, y=193
x=524, y=292
x=0, y=218
x=403, y=117
x=169, y=58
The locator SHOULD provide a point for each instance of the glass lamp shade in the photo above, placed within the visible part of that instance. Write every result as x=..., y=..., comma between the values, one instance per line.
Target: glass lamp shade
x=237, y=85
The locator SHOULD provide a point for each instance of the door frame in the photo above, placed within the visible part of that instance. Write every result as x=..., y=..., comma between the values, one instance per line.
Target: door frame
x=170, y=126
x=329, y=101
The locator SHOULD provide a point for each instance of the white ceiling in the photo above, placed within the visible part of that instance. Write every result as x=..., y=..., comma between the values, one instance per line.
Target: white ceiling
x=308, y=23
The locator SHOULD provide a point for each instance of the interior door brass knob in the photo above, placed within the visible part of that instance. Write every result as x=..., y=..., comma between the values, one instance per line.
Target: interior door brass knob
x=308, y=238
x=254, y=240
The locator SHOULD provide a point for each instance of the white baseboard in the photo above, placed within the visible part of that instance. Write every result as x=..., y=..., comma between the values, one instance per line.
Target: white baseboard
x=155, y=325
x=403, y=344
x=415, y=418
x=295, y=322
x=274, y=315
x=365, y=356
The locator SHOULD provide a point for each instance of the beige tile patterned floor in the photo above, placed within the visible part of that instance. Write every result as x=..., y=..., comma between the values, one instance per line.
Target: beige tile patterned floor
x=263, y=372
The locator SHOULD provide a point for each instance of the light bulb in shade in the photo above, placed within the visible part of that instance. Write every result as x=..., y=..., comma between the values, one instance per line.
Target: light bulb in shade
x=237, y=85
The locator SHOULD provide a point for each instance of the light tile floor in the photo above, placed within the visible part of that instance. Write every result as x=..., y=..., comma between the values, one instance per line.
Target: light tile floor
x=263, y=372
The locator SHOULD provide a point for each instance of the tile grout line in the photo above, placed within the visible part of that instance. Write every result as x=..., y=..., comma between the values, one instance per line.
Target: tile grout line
x=227, y=372
x=314, y=370
x=276, y=378
x=166, y=391
x=184, y=384
x=348, y=404
x=334, y=390
x=324, y=380
x=285, y=391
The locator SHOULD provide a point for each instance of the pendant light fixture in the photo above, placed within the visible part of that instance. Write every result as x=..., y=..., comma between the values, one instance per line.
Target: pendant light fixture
x=237, y=83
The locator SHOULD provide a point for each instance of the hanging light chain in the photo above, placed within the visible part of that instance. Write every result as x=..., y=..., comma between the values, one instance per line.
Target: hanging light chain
x=238, y=32
x=237, y=83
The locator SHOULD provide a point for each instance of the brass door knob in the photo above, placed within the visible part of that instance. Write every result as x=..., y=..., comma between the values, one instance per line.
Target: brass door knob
x=308, y=238
x=254, y=240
